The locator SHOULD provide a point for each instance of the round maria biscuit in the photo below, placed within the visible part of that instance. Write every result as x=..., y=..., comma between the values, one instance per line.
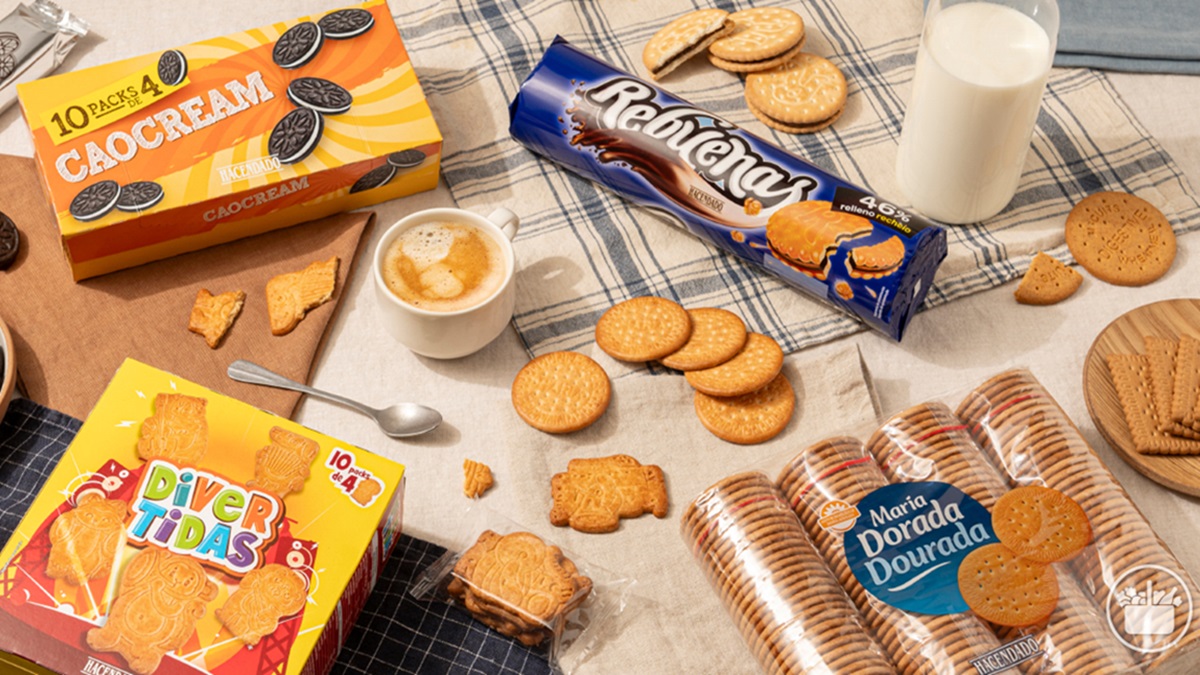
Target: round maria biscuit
x=750, y=418
x=561, y=392
x=1006, y=590
x=683, y=38
x=298, y=45
x=754, y=367
x=643, y=329
x=759, y=34
x=717, y=336
x=1120, y=238
x=806, y=91
x=10, y=242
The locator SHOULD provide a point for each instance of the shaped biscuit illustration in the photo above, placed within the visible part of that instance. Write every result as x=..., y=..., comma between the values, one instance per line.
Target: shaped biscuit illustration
x=264, y=597
x=282, y=466
x=161, y=597
x=84, y=540
x=177, y=431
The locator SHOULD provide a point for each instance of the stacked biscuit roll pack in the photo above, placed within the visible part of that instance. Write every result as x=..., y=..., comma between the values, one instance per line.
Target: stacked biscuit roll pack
x=840, y=470
x=1042, y=510
x=1029, y=437
x=791, y=611
x=928, y=442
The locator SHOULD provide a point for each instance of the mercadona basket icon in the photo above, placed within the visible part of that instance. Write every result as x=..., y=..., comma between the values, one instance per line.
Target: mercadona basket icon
x=1148, y=612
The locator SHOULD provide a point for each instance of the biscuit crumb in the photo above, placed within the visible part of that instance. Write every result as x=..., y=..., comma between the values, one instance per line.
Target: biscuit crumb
x=477, y=478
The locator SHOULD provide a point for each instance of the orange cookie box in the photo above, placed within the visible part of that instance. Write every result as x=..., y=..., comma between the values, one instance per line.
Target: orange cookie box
x=186, y=532
x=171, y=152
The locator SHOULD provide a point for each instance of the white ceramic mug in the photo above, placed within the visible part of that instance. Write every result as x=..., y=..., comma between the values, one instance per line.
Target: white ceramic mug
x=450, y=335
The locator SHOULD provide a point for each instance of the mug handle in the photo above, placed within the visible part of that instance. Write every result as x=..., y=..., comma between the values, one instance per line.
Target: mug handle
x=506, y=220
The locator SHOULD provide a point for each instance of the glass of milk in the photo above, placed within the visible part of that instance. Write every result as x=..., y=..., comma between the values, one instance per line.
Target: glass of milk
x=981, y=70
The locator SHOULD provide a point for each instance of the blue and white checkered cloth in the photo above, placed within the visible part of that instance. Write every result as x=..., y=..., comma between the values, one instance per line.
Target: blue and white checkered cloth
x=581, y=248
x=395, y=633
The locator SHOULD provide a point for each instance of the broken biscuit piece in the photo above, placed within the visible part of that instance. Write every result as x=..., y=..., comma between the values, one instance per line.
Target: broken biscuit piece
x=213, y=315
x=290, y=296
x=477, y=478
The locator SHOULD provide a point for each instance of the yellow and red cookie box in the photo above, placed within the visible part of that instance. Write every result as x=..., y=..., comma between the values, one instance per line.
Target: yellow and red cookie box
x=204, y=135
x=335, y=543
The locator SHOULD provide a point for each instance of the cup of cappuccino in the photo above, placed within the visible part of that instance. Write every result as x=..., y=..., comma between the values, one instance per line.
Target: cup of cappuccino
x=444, y=280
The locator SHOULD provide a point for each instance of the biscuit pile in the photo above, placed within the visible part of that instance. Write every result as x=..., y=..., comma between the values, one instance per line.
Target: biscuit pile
x=741, y=394
x=290, y=296
x=1160, y=394
x=787, y=89
x=519, y=585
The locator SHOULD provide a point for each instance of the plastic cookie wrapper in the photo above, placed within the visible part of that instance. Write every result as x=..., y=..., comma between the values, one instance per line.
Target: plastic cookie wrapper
x=34, y=40
x=522, y=585
x=975, y=533
x=832, y=240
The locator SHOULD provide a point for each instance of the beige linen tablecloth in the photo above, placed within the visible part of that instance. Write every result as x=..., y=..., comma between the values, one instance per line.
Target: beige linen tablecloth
x=949, y=348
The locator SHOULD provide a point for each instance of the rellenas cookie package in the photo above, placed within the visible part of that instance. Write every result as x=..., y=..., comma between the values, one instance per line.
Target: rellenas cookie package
x=984, y=537
x=184, y=531
x=149, y=157
x=814, y=231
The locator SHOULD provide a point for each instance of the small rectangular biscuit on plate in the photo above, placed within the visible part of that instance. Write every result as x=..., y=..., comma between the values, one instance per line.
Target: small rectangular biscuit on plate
x=1131, y=377
x=1161, y=352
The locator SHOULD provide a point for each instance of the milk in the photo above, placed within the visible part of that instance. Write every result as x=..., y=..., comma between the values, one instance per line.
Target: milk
x=981, y=69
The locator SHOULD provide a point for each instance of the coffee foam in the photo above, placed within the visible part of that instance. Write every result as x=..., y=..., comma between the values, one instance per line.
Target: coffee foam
x=444, y=266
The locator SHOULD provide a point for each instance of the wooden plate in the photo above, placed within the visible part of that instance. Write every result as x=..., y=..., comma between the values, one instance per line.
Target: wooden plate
x=1169, y=319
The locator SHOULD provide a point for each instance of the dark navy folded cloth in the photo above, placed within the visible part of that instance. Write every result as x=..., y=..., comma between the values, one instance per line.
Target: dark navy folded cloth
x=1144, y=36
x=395, y=633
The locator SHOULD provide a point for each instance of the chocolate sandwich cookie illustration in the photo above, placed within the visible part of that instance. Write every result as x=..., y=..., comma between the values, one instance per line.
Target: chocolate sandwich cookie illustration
x=139, y=196
x=95, y=201
x=9, y=43
x=377, y=177
x=10, y=241
x=323, y=96
x=877, y=260
x=406, y=159
x=172, y=67
x=346, y=23
x=298, y=45
x=296, y=135
x=161, y=597
x=805, y=234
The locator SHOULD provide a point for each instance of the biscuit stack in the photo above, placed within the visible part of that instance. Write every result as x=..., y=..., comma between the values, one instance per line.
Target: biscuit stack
x=790, y=609
x=928, y=442
x=787, y=89
x=1129, y=571
x=741, y=394
x=519, y=585
x=839, y=469
x=1160, y=395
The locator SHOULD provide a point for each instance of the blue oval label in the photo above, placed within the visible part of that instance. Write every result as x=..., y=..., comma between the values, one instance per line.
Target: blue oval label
x=906, y=546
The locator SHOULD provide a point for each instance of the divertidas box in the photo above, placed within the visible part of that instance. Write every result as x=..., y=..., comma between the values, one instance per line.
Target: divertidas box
x=186, y=532
x=174, y=151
